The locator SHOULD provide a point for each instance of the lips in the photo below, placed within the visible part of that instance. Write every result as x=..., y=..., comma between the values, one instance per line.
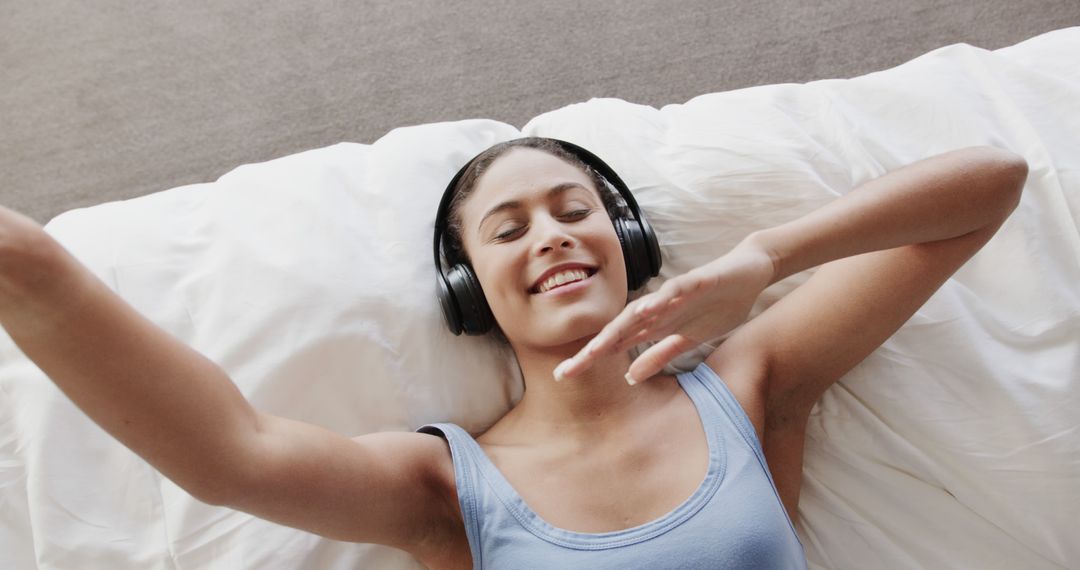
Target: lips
x=589, y=271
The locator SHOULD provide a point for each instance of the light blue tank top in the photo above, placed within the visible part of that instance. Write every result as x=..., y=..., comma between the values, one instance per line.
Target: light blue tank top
x=733, y=520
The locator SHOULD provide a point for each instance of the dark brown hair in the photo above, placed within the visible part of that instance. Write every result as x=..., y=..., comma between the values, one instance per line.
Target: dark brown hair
x=453, y=245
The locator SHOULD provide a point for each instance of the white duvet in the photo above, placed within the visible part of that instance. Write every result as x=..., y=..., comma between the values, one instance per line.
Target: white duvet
x=309, y=279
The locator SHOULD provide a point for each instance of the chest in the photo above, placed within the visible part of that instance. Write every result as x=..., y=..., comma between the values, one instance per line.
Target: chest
x=615, y=486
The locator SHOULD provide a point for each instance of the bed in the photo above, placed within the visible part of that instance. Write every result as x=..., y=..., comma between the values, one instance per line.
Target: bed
x=308, y=278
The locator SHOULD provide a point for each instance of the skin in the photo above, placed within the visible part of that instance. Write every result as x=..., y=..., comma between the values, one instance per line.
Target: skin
x=879, y=252
x=543, y=331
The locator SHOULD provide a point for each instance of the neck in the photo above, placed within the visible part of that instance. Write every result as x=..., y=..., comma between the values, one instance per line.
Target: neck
x=591, y=408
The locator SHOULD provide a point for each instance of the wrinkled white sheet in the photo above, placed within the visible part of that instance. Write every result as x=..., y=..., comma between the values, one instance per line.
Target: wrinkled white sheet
x=309, y=279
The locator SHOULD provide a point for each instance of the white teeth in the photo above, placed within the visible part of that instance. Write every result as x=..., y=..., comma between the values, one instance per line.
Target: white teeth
x=562, y=278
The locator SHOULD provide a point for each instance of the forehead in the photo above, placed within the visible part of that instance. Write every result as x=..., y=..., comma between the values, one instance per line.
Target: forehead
x=520, y=174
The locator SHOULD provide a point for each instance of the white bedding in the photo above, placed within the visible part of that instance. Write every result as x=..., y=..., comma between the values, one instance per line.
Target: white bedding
x=309, y=280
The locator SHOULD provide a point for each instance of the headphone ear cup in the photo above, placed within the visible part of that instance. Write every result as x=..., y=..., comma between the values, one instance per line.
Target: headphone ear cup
x=450, y=309
x=641, y=252
x=651, y=245
x=476, y=317
x=631, y=252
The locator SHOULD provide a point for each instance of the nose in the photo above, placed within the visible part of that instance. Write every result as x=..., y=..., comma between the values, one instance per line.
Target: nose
x=553, y=235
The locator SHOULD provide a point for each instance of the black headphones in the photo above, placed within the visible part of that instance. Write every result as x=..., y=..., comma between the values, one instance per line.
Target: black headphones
x=459, y=292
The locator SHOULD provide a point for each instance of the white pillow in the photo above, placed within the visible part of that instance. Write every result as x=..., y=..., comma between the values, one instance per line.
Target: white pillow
x=309, y=279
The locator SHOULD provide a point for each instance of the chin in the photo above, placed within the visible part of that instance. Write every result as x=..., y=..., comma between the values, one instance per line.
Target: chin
x=570, y=326
x=555, y=325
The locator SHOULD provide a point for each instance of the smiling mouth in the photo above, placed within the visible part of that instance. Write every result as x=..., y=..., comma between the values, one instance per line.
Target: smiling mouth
x=563, y=279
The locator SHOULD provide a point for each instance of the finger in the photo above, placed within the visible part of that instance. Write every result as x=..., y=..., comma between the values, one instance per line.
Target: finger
x=671, y=295
x=574, y=365
x=646, y=334
x=659, y=299
x=585, y=358
x=588, y=355
x=609, y=340
x=646, y=327
x=665, y=320
x=630, y=326
x=579, y=362
x=653, y=360
x=626, y=324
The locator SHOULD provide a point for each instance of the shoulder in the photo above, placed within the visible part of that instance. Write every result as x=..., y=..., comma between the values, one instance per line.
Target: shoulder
x=446, y=544
x=437, y=463
x=778, y=421
x=747, y=368
x=745, y=373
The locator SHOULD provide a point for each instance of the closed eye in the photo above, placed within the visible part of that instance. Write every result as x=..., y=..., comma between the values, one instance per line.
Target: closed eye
x=507, y=234
x=575, y=214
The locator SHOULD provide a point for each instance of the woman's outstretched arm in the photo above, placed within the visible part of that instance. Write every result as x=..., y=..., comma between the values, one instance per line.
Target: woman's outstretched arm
x=163, y=400
x=183, y=414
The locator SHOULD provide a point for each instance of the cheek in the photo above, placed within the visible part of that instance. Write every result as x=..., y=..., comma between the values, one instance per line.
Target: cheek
x=499, y=278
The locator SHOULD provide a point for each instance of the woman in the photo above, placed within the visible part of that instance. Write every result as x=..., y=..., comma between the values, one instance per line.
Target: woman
x=590, y=454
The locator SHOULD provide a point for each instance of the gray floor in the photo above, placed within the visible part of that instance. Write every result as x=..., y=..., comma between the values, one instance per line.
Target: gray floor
x=109, y=100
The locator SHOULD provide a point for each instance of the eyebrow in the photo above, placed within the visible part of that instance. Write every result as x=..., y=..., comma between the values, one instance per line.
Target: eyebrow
x=511, y=204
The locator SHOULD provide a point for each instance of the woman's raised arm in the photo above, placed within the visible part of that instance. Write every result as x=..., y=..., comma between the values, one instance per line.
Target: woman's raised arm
x=181, y=412
x=883, y=249
x=959, y=193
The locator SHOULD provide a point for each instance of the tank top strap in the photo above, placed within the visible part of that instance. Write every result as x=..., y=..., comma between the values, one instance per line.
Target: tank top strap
x=732, y=519
x=704, y=379
x=708, y=384
x=466, y=455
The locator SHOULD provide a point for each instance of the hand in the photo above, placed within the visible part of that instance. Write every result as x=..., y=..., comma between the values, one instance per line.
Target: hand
x=701, y=304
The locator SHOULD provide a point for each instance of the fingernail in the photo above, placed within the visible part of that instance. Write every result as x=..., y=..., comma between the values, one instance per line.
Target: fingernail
x=630, y=379
x=560, y=369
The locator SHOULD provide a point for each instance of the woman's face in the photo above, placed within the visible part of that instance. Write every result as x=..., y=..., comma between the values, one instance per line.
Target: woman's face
x=532, y=212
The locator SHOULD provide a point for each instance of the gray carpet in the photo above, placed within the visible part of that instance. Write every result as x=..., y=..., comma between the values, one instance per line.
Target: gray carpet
x=109, y=100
